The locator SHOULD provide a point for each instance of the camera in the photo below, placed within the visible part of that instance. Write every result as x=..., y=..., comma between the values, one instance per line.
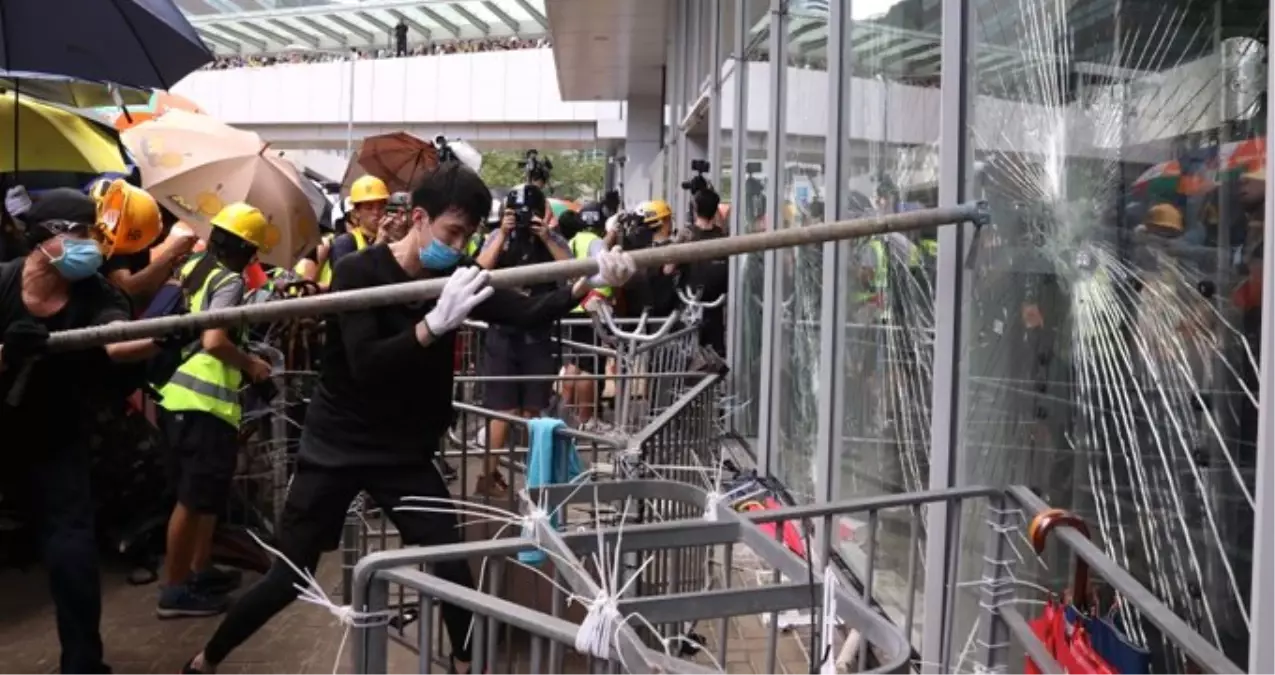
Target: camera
x=698, y=181
x=527, y=202
x=399, y=203
x=537, y=168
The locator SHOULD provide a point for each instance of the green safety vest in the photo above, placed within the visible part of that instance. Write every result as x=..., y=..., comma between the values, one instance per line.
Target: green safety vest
x=203, y=383
x=472, y=246
x=360, y=241
x=881, y=276
x=580, y=245
x=925, y=249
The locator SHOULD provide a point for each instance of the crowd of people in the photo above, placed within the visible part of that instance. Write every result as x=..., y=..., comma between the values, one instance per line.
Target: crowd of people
x=439, y=47
x=383, y=403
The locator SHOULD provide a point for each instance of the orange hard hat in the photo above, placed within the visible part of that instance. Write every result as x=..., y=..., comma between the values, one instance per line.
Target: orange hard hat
x=128, y=219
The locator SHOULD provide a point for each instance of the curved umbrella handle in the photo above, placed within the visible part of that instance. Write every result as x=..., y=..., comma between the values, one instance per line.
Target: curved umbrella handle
x=1044, y=523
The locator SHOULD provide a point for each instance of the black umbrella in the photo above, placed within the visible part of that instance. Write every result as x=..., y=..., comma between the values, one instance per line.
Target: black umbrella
x=142, y=43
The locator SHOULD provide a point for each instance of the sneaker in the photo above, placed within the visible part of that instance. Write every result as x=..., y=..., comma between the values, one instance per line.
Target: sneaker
x=216, y=581
x=492, y=485
x=189, y=669
x=449, y=471
x=176, y=602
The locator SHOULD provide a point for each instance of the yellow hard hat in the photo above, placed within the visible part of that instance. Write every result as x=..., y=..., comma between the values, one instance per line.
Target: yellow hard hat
x=654, y=211
x=128, y=219
x=1164, y=218
x=369, y=189
x=249, y=224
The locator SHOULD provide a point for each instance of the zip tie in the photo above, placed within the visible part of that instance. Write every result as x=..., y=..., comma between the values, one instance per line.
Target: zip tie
x=598, y=630
x=828, y=664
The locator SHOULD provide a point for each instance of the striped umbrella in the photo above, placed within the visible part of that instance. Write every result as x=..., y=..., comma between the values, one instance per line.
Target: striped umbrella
x=561, y=206
x=1174, y=177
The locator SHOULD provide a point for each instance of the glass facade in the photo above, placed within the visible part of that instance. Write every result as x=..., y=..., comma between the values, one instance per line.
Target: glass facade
x=1098, y=342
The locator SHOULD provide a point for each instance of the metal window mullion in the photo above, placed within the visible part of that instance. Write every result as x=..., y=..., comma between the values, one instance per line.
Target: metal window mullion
x=682, y=34
x=718, y=15
x=942, y=521
x=832, y=400
x=772, y=309
x=739, y=159
x=1261, y=655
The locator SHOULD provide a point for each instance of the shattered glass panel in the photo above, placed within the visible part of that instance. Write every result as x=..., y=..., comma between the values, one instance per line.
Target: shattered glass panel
x=1114, y=311
x=892, y=160
x=801, y=269
x=750, y=300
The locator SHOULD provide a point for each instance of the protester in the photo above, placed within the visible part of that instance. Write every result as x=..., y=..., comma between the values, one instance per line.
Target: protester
x=140, y=275
x=201, y=413
x=708, y=279
x=384, y=400
x=370, y=198
x=49, y=402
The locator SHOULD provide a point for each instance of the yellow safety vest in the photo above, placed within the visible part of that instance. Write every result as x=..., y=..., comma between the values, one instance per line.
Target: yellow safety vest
x=360, y=242
x=471, y=246
x=203, y=383
x=881, y=276
x=325, y=272
x=580, y=245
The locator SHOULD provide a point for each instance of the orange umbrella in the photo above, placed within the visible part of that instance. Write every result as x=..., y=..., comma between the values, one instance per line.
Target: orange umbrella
x=195, y=165
x=160, y=103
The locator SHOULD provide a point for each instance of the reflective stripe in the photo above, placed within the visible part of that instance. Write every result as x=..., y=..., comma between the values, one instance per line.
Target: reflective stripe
x=188, y=381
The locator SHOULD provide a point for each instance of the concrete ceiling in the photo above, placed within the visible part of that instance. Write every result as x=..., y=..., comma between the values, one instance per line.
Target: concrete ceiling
x=608, y=50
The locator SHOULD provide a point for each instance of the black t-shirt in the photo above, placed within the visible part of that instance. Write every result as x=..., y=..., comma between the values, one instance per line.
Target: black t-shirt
x=707, y=277
x=134, y=263
x=382, y=398
x=63, y=391
x=651, y=289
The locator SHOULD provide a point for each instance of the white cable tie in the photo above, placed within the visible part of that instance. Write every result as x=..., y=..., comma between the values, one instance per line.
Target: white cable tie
x=828, y=665
x=598, y=630
x=711, y=501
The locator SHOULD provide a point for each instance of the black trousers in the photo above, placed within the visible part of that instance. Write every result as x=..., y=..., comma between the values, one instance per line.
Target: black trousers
x=312, y=521
x=57, y=494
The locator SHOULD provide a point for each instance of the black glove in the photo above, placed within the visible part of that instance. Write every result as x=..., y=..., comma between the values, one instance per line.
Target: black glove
x=24, y=340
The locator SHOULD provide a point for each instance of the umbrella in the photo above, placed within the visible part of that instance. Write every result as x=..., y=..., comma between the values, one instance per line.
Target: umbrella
x=561, y=206
x=1185, y=176
x=400, y=159
x=1070, y=645
x=143, y=43
x=195, y=165
x=70, y=92
x=155, y=105
x=47, y=138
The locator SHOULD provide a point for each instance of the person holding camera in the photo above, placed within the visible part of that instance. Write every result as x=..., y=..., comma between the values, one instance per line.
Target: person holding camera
x=708, y=279
x=587, y=233
x=523, y=238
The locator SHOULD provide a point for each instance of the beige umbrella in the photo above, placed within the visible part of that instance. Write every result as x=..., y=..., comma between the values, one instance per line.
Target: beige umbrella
x=195, y=165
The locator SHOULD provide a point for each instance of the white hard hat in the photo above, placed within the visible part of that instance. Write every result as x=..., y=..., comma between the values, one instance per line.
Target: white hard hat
x=466, y=154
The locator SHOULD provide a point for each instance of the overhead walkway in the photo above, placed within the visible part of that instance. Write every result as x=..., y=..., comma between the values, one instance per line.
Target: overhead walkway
x=245, y=27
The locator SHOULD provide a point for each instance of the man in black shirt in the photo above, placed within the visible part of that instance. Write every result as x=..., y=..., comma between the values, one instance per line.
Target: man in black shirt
x=708, y=278
x=48, y=402
x=384, y=398
x=653, y=290
x=400, y=38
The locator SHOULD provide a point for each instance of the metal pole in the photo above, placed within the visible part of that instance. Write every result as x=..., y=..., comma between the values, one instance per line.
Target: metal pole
x=349, y=125
x=414, y=291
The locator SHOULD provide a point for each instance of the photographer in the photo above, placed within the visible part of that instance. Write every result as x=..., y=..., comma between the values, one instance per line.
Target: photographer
x=707, y=279
x=522, y=239
x=370, y=198
x=587, y=233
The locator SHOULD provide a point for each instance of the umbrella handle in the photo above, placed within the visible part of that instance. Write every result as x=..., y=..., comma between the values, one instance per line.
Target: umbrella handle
x=1044, y=523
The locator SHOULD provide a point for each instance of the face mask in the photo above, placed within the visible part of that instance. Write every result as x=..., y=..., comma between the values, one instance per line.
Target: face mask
x=80, y=259
x=439, y=256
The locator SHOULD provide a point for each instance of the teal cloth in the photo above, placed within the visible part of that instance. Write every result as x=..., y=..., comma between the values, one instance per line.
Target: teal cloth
x=551, y=458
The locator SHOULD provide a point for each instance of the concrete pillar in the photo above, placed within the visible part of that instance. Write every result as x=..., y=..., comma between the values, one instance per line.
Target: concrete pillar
x=645, y=118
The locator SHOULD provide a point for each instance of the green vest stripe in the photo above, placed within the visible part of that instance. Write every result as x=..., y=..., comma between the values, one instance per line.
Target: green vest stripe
x=203, y=383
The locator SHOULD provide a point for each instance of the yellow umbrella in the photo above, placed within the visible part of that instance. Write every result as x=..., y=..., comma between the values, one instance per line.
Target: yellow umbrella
x=195, y=165
x=49, y=138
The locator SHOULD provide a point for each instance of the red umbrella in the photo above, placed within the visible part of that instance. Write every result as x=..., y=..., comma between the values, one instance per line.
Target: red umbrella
x=1068, y=643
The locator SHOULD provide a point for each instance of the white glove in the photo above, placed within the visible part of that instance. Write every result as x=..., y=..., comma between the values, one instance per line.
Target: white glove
x=17, y=201
x=466, y=289
x=615, y=268
x=613, y=223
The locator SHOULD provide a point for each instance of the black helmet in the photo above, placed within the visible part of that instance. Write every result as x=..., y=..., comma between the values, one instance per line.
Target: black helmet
x=592, y=216
x=527, y=197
